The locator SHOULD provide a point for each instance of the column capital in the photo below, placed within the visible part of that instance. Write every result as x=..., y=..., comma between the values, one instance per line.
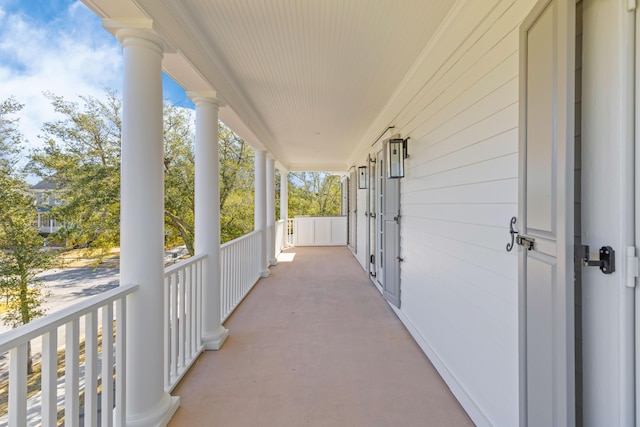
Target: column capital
x=135, y=32
x=206, y=96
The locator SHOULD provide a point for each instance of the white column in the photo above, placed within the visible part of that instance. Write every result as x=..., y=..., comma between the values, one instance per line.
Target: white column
x=142, y=227
x=260, y=208
x=284, y=195
x=207, y=214
x=271, y=211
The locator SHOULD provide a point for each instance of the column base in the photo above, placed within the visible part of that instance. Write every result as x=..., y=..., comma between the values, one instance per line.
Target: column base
x=215, y=340
x=158, y=416
x=265, y=273
x=273, y=262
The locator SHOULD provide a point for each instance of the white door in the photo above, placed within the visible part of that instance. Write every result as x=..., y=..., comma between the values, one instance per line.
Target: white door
x=371, y=212
x=608, y=212
x=353, y=191
x=380, y=194
x=390, y=234
x=547, y=43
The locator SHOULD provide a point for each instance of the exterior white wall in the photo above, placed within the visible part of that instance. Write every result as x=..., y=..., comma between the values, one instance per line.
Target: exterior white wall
x=458, y=284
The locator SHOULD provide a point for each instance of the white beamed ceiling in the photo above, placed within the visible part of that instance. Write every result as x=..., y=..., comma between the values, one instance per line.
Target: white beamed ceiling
x=305, y=79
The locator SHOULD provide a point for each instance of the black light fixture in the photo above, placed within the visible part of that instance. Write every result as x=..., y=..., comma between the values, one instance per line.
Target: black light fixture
x=396, y=153
x=363, y=176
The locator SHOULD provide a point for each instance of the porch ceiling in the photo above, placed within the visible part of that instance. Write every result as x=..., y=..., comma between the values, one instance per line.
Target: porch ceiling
x=303, y=79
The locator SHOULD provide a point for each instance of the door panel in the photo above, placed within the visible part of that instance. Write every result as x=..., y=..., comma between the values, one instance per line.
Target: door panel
x=380, y=197
x=390, y=221
x=541, y=274
x=371, y=224
x=353, y=211
x=547, y=42
x=540, y=154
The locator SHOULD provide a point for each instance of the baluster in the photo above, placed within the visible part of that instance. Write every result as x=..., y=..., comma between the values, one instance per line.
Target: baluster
x=49, y=378
x=167, y=331
x=107, y=365
x=199, y=307
x=121, y=362
x=18, y=386
x=223, y=283
x=189, y=286
x=91, y=370
x=181, y=317
x=71, y=374
x=174, y=326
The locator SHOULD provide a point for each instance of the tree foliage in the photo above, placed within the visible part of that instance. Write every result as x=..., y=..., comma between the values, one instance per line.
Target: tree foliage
x=314, y=193
x=21, y=254
x=236, y=185
x=82, y=157
x=179, y=176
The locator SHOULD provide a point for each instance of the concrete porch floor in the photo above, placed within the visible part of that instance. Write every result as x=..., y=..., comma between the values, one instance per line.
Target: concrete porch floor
x=316, y=344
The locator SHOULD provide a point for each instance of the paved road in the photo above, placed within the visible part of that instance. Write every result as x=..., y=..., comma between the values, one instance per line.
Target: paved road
x=68, y=286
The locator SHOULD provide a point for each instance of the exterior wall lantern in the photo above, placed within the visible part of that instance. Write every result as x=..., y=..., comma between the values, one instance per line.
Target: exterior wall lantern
x=363, y=176
x=396, y=153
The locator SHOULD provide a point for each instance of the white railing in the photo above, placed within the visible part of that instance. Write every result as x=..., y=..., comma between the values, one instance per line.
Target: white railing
x=93, y=315
x=182, y=318
x=318, y=231
x=240, y=268
x=290, y=232
x=281, y=236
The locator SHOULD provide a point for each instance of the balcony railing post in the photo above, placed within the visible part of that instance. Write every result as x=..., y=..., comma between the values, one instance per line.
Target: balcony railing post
x=207, y=215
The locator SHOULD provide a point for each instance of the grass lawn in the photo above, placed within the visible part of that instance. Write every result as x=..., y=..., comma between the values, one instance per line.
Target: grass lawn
x=87, y=258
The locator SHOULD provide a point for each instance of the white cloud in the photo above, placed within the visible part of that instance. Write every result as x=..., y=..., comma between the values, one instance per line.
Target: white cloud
x=71, y=55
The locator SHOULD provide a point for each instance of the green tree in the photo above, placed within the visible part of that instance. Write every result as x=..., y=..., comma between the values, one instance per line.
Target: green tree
x=236, y=185
x=82, y=157
x=21, y=253
x=314, y=193
x=236, y=180
x=179, y=175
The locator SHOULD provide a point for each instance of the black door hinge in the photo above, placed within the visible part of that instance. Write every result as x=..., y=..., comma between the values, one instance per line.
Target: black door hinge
x=606, y=263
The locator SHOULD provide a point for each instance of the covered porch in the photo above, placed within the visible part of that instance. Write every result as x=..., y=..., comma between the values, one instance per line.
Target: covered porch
x=316, y=344
x=515, y=121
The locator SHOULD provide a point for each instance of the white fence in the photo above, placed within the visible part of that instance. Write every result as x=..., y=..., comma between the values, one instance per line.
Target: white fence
x=240, y=268
x=182, y=317
x=319, y=231
x=97, y=316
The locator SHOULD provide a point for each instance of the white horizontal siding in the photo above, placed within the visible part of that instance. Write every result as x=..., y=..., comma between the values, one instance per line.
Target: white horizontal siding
x=459, y=285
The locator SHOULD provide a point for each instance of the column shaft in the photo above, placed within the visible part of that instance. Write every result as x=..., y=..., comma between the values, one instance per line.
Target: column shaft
x=271, y=211
x=207, y=215
x=142, y=227
x=284, y=195
x=260, y=208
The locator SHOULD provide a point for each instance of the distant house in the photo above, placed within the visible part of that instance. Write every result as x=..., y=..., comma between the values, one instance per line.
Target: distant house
x=45, y=198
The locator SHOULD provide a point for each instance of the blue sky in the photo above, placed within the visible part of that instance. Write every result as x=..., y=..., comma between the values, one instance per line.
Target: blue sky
x=59, y=46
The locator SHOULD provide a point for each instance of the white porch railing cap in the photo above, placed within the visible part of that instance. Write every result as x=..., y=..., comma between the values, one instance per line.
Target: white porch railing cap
x=184, y=263
x=38, y=327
